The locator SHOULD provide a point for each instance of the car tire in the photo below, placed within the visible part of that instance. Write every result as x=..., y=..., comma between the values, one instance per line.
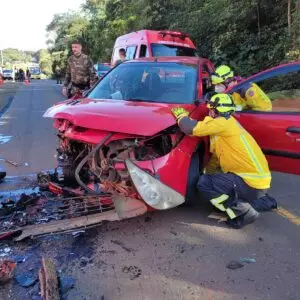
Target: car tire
x=193, y=197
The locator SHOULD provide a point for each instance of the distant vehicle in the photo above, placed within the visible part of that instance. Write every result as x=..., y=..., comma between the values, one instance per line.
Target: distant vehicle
x=8, y=74
x=36, y=73
x=102, y=69
x=151, y=43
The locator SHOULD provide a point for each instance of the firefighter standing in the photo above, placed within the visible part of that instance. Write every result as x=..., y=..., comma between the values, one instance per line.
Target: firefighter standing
x=249, y=97
x=80, y=73
x=241, y=190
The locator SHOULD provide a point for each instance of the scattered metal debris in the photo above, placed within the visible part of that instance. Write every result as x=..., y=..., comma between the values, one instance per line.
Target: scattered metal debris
x=56, y=208
x=6, y=270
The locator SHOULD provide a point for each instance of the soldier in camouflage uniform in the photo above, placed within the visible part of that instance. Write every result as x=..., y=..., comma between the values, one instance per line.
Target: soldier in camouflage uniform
x=80, y=73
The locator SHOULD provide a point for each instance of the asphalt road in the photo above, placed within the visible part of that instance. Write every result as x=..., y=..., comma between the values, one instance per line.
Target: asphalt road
x=175, y=254
x=25, y=137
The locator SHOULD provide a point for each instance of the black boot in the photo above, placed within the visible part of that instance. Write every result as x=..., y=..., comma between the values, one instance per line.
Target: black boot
x=265, y=203
x=239, y=222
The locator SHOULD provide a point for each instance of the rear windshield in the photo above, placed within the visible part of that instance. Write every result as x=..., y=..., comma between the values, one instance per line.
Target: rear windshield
x=172, y=50
x=164, y=82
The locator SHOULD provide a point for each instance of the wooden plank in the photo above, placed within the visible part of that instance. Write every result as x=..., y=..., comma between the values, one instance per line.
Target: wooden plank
x=48, y=280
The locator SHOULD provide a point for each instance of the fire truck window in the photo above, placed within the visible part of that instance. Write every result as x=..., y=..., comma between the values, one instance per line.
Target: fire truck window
x=144, y=51
x=130, y=52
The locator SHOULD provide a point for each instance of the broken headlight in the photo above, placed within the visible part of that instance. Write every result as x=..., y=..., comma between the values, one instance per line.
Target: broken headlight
x=154, y=193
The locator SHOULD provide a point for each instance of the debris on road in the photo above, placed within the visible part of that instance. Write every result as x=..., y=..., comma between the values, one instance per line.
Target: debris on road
x=133, y=271
x=11, y=162
x=121, y=244
x=233, y=265
x=247, y=260
x=56, y=208
x=48, y=280
x=6, y=270
x=52, y=208
x=26, y=279
x=5, y=251
x=77, y=233
x=65, y=284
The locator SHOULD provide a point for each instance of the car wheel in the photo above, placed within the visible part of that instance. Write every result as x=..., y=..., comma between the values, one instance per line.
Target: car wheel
x=193, y=197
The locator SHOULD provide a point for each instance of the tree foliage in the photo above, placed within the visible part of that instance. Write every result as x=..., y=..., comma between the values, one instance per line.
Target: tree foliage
x=249, y=35
x=11, y=56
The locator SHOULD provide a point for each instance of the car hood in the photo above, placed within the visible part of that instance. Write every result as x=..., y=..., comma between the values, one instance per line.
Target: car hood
x=139, y=118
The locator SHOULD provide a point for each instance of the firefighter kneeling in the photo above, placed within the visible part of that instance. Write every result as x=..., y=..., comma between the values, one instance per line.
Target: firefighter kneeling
x=240, y=190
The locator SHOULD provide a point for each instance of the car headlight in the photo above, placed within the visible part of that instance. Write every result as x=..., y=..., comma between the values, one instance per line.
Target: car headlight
x=154, y=193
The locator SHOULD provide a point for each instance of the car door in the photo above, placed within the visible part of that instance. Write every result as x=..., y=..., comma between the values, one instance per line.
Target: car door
x=277, y=131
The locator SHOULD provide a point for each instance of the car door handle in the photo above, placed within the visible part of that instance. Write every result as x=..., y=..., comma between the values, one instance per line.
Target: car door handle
x=293, y=129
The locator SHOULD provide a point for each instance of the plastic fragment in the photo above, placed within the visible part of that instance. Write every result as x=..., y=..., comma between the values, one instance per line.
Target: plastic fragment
x=248, y=260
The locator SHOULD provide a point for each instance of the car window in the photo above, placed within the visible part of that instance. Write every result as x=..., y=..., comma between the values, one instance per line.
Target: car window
x=149, y=82
x=144, y=51
x=284, y=92
x=281, y=90
x=130, y=52
x=171, y=50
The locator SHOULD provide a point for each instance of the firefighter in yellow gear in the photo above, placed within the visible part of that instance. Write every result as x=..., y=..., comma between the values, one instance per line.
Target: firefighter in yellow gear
x=241, y=189
x=250, y=96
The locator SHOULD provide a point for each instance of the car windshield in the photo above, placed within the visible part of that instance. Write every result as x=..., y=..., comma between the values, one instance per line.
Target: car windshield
x=164, y=82
x=171, y=50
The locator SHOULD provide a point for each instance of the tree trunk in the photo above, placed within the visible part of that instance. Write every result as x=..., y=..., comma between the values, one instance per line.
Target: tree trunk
x=296, y=21
x=289, y=17
x=258, y=18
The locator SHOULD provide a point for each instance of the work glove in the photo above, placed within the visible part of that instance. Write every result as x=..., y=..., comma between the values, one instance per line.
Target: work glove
x=179, y=113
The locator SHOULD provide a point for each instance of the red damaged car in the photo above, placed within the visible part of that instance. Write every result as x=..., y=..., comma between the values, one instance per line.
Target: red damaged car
x=122, y=141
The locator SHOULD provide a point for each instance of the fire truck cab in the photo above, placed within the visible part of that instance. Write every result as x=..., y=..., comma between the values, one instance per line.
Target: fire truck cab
x=151, y=43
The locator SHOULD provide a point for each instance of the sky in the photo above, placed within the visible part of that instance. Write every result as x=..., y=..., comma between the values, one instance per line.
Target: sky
x=23, y=22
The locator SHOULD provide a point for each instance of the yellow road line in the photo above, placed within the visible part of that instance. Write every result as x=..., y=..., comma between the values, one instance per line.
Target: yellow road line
x=288, y=215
